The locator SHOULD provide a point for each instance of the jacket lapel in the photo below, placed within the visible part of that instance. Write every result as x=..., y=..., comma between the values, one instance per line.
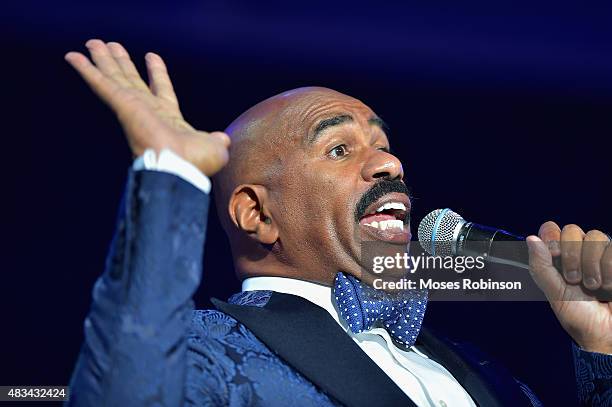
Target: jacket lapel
x=489, y=383
x=307, y=338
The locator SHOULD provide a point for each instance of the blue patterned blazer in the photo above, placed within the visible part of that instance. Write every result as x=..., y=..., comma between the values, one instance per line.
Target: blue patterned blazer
x=146, y=346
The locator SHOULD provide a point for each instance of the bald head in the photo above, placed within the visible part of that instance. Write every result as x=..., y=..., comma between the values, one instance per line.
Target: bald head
x=300, y=165
x=259, y=135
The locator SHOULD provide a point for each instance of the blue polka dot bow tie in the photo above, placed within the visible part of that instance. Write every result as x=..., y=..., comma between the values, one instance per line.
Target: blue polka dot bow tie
x=364, y=307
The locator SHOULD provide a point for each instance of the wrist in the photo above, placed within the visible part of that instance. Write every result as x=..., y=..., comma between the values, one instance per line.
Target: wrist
x=603, y=348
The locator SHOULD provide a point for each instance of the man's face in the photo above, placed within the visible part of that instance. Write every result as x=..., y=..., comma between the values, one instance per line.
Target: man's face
x=339, y=186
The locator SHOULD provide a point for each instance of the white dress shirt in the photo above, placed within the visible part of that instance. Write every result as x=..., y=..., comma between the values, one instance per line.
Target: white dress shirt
x=426, y=382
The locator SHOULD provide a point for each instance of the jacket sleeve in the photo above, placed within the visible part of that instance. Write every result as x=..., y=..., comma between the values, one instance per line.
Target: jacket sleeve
x=593, y=377
x=134, y=351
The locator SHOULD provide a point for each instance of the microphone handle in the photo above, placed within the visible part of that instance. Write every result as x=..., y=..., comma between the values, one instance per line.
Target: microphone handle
x=496, y=245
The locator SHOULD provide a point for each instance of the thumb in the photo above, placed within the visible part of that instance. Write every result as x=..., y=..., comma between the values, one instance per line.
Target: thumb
x=542, y=269
x=221, y=136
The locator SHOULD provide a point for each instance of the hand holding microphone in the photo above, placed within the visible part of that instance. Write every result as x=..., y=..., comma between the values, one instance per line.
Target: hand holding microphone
x=579, y=295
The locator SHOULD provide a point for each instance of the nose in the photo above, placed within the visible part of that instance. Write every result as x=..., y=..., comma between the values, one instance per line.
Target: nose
x=382, y=164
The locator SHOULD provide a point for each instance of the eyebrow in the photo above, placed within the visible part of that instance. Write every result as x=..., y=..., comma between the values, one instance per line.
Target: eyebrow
x=377, y=121
x=341, y=119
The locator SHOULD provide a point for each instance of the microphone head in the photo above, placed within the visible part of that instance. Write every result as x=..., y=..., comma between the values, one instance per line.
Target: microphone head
x=436, y=231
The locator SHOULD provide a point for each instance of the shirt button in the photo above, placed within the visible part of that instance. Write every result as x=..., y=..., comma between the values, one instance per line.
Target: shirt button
x=442, y=403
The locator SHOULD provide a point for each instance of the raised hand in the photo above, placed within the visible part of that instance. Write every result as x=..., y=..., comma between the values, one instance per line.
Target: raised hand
x=150, y=115
x=581, y=296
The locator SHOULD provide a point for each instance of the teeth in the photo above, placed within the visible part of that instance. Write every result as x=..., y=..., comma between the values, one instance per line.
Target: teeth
x=391, y=205
x=387, y=224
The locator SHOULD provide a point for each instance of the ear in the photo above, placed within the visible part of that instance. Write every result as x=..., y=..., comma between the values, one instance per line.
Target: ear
x=248, y=211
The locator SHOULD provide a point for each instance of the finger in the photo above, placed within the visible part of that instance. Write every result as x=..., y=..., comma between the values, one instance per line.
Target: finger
x=159, y=81
x=593, y=248
x=122, y=57
x=101, y=56
x=97, y=81
x=550, y=233
x=223, y=137
x=606, y=268
x=542, y=270
x=571, y=248
x=211, y=142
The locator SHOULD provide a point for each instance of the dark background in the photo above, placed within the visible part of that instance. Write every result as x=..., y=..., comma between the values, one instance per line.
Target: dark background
x=500, y=111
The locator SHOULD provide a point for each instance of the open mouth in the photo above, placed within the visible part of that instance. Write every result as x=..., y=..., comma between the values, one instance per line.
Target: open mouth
x=388, y=218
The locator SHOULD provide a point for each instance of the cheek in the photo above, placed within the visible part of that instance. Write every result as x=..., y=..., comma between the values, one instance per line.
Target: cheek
x=338, y=202
x=334, y=196
x=323, y=197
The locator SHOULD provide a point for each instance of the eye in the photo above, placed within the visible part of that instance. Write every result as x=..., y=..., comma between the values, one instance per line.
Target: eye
x=385, y=149
x=338, y=151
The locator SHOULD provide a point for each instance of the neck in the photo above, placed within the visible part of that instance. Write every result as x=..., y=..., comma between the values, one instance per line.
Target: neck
x=263, y=268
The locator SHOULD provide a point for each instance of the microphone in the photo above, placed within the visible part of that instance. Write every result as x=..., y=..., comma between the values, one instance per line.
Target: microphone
x=445, y=233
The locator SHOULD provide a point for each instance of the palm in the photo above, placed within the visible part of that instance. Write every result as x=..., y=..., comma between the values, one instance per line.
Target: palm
x=584, y=317
x=149, y=115
x=149, y=120
x=585, y=314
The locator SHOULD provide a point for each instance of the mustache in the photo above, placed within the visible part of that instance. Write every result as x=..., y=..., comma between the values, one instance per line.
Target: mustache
x=381, y=188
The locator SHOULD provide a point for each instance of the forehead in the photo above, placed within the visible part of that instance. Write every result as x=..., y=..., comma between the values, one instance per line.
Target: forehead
x=289, y=118
x=305, y=112
x=310, y=108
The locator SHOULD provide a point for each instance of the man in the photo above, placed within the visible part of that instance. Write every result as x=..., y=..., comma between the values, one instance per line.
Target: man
x=296, y=192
